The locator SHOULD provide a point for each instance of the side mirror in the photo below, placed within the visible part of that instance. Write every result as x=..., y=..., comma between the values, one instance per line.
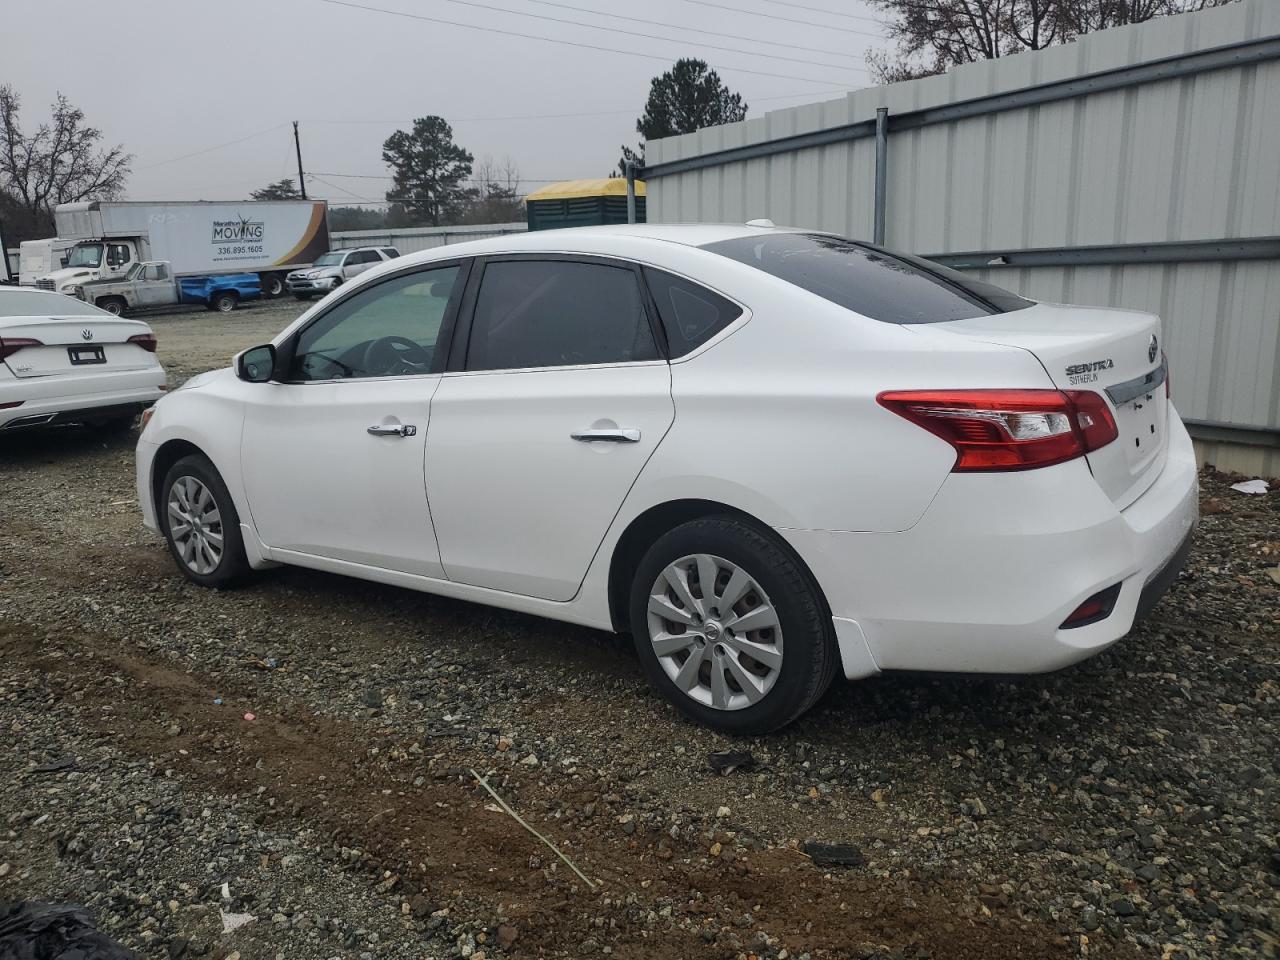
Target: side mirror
x=257, y=364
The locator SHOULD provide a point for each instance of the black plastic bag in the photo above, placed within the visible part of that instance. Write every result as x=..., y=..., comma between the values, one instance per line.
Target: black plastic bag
x=30, y=930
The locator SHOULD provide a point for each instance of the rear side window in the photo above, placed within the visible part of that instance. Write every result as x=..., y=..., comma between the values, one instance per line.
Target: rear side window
x=555, y=313
x=691, y=315
x=390, y=252
x=869, y=280
x=22, y=302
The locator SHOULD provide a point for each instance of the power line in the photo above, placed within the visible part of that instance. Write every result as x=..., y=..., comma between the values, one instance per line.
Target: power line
x=566, y=43
x=387, y=176
x=830, y=13
x=564, y=116
x=648, y=36
x=688, y=29
x=217, y=146
x=770, y=16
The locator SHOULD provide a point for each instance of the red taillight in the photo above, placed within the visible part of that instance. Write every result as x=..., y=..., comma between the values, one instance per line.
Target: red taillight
x=11, y=345
x=1008, y=429
x=1096, y=608
x=147, y=341
x=11, y=404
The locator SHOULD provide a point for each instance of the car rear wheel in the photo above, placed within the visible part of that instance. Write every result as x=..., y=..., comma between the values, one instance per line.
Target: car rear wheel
x=730, y=626
x=201, y=524
x=272, y=285
x=223, y=302
x=113, y=305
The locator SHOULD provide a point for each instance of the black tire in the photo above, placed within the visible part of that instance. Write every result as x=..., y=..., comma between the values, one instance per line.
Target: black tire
x=113, y=305
x=272, y=285
x=224, y=301
x=810, y=655
x=302, y=296
x=233, y=566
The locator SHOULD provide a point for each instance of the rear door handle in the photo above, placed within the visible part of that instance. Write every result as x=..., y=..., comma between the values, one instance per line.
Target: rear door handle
x=393, y=430
x=608, y=435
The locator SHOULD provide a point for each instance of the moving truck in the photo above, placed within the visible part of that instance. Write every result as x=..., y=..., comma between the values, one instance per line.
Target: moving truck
x=38, y=258
x=196, y=238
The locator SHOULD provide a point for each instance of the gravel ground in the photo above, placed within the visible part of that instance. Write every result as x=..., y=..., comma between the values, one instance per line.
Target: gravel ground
x=1126, y=807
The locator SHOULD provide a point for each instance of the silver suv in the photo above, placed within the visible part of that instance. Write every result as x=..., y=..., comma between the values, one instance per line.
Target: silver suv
x=334, y=267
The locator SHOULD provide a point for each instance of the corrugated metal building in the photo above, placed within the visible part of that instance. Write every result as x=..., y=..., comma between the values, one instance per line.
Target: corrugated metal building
x=1136, y=167
x=413, y=239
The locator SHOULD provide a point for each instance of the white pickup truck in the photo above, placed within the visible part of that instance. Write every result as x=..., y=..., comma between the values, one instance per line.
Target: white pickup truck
x=151, y=283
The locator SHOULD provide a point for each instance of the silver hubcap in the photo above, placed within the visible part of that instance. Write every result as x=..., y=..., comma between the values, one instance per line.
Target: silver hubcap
x=195, y=525
x=226, y=306
x=715, y=632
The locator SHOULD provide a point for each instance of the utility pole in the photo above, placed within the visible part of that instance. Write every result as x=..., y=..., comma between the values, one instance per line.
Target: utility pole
x=297, y=146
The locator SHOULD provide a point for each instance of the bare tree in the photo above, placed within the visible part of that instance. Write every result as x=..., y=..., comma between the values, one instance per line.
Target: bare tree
x=933, y=35
x=496, y=196
x=61, y=162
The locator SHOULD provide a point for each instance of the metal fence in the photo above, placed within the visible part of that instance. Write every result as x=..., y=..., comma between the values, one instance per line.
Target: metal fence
x=1136, y=167
x=413, y=239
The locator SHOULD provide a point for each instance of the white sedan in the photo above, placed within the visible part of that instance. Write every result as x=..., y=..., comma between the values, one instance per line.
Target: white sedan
x=63, y=361
x=770, y=455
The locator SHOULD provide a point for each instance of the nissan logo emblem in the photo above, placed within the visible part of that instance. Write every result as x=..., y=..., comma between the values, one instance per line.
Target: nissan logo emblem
x=86, y=334
x=1153, y=349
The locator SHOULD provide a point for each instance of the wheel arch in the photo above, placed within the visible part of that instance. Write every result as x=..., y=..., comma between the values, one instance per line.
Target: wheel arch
x=645, y=529
x=169, y=453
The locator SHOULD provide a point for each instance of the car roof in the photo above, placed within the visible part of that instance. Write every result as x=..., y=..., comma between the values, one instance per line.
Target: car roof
x=602, y=239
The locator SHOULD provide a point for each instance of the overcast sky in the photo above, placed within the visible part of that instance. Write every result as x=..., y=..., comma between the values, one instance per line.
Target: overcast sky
x=171, y=79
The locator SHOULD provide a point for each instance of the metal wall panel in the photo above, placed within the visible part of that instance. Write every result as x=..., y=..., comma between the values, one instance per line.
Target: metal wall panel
x=413, y=239
x=1184, y=158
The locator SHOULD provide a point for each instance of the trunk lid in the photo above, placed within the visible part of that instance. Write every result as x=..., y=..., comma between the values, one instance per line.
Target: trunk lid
x=67, y=345
x=1117, y=353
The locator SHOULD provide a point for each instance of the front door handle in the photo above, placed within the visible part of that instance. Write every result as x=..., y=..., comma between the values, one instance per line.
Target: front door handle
x=608, y=435
x=393, y=430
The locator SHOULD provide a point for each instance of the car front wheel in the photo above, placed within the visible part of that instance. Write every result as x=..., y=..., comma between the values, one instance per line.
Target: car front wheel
x=201, y=524
x=730, y=626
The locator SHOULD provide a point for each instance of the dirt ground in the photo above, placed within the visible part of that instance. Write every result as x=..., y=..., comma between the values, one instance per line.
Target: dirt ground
x=1124, y=808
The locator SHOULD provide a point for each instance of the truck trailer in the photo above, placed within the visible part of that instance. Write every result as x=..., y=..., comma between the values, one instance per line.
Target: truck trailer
x=196, y=238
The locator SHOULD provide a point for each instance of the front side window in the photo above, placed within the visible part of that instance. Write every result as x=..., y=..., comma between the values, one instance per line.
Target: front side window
x=556, y=313
x=135, y=273
x=157, y=271
x=891, y=287
x=387, y=330
x=117, y=254
x=330, y=259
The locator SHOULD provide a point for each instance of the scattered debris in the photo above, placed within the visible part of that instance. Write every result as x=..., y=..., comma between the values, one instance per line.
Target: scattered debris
x=265, y=663
x=833, y=854
x=1251, y=486
x=518, y=819
x=217, y=701
x=56, y=765
x=250, y=716
x=724, y=762
x=234, y=921
x=1274, y=574
x=30, y=930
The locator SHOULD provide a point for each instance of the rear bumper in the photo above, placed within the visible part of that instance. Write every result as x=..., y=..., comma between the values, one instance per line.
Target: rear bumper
x=46, y=402
x=983, y=582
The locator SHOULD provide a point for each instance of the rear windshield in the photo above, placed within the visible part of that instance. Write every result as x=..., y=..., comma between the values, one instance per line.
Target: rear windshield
x=36, y=303
x=892, y=287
